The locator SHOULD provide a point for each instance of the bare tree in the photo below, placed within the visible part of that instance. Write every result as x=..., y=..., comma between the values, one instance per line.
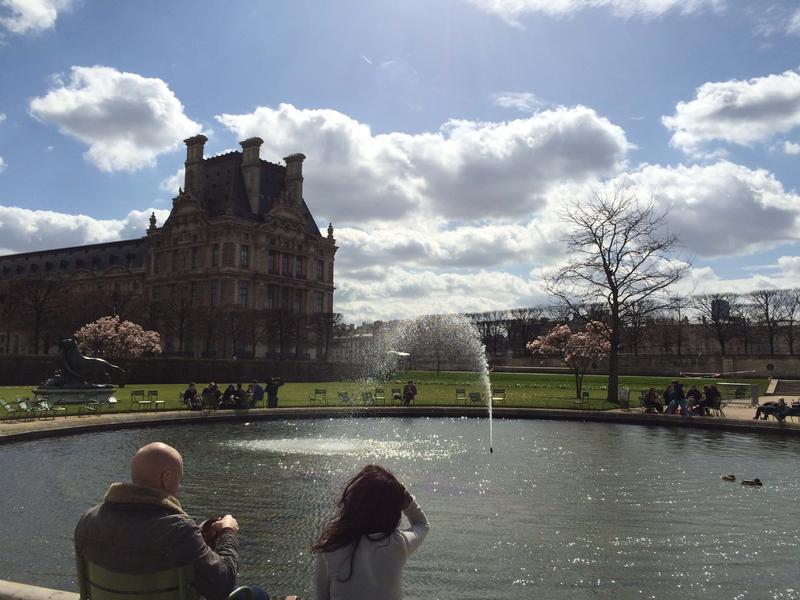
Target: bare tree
x=768, y=310
x=619, y=256
x=41, y=298
x=677, y=308
x=790, y=302
x=718, y=313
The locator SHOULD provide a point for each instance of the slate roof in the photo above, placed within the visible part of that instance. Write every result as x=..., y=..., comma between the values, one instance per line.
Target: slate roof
x=222, y=188
x=94, y=257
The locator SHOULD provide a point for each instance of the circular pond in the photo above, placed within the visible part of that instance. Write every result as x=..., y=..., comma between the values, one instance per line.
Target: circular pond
x=560, y=510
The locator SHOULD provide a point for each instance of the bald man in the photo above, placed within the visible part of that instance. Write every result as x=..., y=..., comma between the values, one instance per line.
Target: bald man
x=141, y=528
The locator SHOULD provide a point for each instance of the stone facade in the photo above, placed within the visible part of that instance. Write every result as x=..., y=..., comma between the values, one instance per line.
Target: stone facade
x=239, y=267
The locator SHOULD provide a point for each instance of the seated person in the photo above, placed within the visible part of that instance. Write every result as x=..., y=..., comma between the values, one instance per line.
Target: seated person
x=694, y=398
x=211, y=395
x=256, y=393
x=228, y=399
x=776, y=409
x=192, y=398
x=240, y=396
x=140, y=527
x=651, y=402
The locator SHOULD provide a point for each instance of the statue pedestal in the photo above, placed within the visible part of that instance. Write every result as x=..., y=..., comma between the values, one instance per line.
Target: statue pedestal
x=78, y=395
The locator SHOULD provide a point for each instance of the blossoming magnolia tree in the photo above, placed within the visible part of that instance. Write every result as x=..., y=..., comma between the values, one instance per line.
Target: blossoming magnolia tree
x=577, y=348
x=110, y=338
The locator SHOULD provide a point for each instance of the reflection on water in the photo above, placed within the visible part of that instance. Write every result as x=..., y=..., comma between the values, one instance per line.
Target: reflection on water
x=355, y=448
x=561, y=510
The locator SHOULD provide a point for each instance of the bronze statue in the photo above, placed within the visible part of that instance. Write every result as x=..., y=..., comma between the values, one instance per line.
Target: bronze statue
x=79, y=371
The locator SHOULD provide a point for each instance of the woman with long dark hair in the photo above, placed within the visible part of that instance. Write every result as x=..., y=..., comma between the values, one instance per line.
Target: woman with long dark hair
x=361, y=552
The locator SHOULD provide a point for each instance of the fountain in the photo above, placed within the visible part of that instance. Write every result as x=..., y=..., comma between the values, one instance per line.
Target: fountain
x=449, y=340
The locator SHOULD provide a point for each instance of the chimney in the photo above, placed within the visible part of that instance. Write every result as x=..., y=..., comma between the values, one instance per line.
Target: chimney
x=294, y=178
x=194, y=162
x=251, y=171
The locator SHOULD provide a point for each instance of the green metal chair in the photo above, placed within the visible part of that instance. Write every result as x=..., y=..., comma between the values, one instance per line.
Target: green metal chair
x=9, y=412
x=461, y=396
x=96, y=583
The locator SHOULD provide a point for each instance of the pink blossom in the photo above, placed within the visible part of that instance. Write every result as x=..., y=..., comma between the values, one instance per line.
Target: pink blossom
x=111, y=338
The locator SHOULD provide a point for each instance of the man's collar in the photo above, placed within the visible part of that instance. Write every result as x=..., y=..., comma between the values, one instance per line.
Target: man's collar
x=128, y=493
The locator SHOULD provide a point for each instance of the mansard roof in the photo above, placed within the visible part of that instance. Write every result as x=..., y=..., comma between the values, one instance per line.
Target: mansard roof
x=222, y=190
x=92, y=257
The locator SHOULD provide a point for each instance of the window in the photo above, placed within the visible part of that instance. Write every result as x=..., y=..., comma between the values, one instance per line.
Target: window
x=244, y=256
x=194, y=258
x=174, y=260
x=193, y=290
x=285, y=265
x=271, y=266
x=157, y=263
x=215, y=255
x=284, y=297
x=155, y=293
x=182, y=260
x=320, y=270
x=319, y=302
x=243, y=289
x=299, y=300
x=298, y=266
x=270, y=296
x=214, y=293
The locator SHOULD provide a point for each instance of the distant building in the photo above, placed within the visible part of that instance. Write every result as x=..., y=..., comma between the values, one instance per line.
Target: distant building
x=239, y=268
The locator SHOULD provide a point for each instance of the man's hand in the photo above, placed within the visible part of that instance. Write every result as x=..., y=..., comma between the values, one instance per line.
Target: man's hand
x=212, y=530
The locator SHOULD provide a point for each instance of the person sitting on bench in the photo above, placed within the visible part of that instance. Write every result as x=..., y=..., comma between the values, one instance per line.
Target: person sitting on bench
x=776, y=409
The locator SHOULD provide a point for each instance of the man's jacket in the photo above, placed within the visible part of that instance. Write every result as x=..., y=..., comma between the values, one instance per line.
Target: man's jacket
x=142, y=530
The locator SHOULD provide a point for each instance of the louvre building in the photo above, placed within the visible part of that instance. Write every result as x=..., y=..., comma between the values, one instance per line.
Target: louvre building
x=238, y=269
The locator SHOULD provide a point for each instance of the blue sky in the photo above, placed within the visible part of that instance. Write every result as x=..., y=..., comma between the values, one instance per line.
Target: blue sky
x=442, y=136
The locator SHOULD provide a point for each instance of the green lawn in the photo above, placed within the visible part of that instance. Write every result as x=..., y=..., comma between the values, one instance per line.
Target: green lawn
x=537, y=390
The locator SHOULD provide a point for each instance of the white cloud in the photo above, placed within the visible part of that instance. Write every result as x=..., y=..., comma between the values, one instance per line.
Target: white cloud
x=736, y=112
x=793, y=26
x=2, y=117
x=127, y=120
x=722, y=209
x=23, y=16
x=173, y=182
x=403, y=293
x=25, y=230
x=464, y=171
x=521, y=101
x=513, y=10
x=791, y=148
x=790, y=264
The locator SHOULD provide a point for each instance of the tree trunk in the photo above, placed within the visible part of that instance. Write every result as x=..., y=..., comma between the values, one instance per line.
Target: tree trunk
x=613, y=360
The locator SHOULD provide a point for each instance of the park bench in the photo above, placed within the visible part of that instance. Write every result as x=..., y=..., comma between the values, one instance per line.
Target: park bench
x=152, y=396
x=90, y=407
x=582, y=402
x=318, y=397
x=138, y=401
x=27, y=407
x=380, y=395
x=498, y=396
x=9, y=412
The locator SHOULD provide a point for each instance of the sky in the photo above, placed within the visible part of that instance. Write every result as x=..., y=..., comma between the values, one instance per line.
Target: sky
x=444, y=138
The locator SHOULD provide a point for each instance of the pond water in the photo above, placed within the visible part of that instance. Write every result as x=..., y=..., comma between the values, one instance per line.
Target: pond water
x=560, y=510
